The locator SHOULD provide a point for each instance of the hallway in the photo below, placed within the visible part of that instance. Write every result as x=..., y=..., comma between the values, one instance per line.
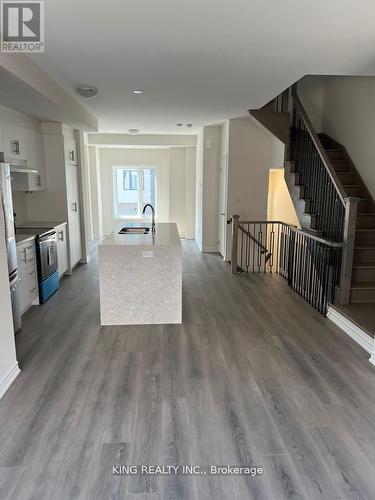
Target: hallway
x=254, y=375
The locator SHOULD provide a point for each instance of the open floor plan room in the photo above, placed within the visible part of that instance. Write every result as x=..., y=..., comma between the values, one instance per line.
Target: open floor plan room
x=187, y=250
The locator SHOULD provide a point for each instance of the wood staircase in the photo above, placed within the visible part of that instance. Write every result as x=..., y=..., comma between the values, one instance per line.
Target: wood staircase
x=341, y=186
x=363, y=272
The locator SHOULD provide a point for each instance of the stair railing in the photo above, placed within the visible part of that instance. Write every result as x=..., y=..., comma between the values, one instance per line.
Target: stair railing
x=310, y=264
x=335, y=213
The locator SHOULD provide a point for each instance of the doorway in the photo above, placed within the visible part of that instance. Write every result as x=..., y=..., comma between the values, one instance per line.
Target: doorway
x=222, y=217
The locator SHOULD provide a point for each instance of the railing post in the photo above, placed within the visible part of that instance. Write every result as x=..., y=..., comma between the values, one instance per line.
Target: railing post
x=233, y=263
x=351, y=206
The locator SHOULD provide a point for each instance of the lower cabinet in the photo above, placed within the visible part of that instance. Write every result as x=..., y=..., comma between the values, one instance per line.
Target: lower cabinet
x=62, y=249
x=27, y=273
x=75, y=240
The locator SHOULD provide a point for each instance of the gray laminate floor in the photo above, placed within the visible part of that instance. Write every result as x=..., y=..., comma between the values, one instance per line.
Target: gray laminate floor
x=253, y=376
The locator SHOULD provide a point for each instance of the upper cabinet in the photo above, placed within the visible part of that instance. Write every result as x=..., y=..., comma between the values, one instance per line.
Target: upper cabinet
x=70, y=147
x=35, y=180
x=35, y=159
x=14, y=141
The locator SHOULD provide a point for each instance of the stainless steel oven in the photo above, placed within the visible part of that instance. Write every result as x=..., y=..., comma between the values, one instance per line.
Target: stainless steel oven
x=46, y=253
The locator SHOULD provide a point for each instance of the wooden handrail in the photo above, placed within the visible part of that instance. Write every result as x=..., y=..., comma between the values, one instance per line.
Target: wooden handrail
x=323, y=155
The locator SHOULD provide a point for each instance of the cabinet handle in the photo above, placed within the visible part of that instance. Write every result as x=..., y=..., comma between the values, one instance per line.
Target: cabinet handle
x=74, y=205
x=16, y=147
x=61, y=235
x=24, y=255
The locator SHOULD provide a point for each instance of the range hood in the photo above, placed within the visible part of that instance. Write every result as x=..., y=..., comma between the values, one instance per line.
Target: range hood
x=17, y=165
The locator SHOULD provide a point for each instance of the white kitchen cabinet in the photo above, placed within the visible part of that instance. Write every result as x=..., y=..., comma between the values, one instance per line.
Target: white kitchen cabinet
x=62, y=249
x=26, y=181
x=74, y=240
x=35, y=160
x=14, y=141
x=31, y=181
x=74, y=221
x=27, y=274
x=70, y=148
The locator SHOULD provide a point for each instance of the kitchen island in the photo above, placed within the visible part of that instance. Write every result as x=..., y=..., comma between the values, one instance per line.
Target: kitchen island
x=140, y=277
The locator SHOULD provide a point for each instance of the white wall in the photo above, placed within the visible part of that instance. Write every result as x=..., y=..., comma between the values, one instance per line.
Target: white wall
x=175, y=176
x=139, y=140
x=310, y=90
x=223, y=190
x=177, y=188
x=280, y=205
x=190, y=180
x=253, y=151
x=199, y=191
x=211, y=164
x=349, y=118
x=110, y=157
x=343, y=107
x=8, y=362
x=207, y=188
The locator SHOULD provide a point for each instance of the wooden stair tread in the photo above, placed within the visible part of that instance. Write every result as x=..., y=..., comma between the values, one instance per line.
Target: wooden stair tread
x=364, y=266
x=367, y=285
x=365, y=229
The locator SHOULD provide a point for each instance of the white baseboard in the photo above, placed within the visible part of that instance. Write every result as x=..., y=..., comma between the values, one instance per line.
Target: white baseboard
x=8, y=379
x=210, y=249
x=354, y=332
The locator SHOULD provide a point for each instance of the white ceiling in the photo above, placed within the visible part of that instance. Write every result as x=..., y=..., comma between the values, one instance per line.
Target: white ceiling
x=200, y=61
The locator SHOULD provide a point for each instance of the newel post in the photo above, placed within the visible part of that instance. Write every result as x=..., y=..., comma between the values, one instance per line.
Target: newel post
x=233, y=262
x=351, y=206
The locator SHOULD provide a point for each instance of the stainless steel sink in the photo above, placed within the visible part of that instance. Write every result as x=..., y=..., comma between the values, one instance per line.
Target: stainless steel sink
x=134, y=230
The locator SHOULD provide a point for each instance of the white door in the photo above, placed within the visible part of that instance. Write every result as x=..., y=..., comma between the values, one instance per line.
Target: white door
x=222, y=223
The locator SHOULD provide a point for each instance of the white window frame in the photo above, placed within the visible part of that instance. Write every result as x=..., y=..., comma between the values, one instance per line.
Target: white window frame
x=139, y=169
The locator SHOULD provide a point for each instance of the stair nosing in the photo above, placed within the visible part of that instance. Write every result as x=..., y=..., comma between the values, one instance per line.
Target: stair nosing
x=357, y=286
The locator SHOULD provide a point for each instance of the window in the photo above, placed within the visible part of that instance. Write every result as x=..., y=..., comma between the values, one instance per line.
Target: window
x=133, y=187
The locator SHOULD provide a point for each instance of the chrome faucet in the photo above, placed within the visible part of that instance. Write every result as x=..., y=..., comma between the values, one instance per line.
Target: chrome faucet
x=153, y=215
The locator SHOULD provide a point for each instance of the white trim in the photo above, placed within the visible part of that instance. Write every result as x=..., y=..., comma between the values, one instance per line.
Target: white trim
x=8, y=379
x=355, y=332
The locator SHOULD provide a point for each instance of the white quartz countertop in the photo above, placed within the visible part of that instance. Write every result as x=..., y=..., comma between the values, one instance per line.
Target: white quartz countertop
x=22, y=238
x=166, y=234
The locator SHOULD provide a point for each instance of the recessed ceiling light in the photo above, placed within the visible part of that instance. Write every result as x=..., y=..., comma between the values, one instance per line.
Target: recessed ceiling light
x=87, y=92
x=189, y=125
x=133, y=131
x=179, y=124
x=137, y=91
